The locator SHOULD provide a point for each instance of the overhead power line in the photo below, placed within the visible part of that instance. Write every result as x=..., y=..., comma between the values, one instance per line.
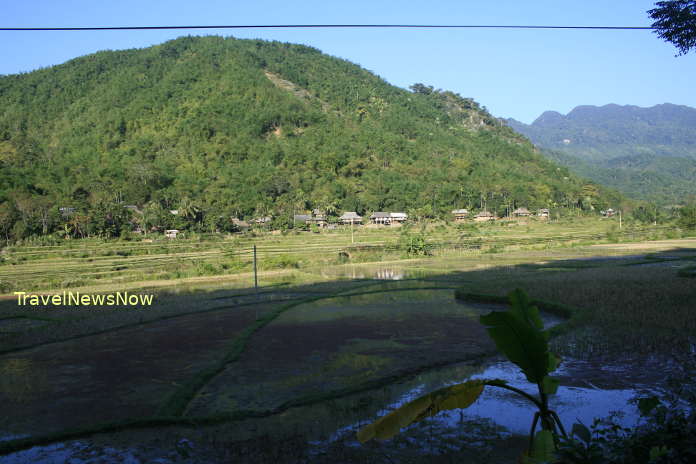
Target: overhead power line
x=322, y=26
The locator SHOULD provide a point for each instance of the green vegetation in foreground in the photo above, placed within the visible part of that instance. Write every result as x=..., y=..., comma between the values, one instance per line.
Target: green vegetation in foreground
x=519, y=334
x=218, y=127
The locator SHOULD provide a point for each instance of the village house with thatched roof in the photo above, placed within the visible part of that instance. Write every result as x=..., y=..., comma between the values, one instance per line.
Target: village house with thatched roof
x=350, y=217
x=484, y=216
x=521, y=212
x=460, y=214
x=319, y=218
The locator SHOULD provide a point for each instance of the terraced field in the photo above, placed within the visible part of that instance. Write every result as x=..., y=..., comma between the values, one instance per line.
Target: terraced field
x=103, y=265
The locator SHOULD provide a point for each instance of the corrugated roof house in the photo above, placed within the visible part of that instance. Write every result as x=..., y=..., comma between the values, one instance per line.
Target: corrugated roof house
x=380, y=217
x=399, y=217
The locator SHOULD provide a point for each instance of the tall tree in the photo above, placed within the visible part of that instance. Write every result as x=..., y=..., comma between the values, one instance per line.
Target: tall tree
x=675, y=22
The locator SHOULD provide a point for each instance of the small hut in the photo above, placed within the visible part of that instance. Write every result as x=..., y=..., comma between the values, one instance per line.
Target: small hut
x=484, y=216
x=265, y=220
x=543, y=213
x=171, y=233
x=350, y=217
x=460, y=214
x=239, y=224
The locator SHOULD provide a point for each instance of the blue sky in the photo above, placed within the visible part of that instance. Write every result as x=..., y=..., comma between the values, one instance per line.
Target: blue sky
x=514, y=73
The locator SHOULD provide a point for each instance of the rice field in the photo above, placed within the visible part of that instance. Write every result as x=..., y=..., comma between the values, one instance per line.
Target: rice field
x=103, y=265
x=218, y=371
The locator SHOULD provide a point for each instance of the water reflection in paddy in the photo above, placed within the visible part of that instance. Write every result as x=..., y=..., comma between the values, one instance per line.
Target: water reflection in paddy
x=375, y=272
x=588, y=390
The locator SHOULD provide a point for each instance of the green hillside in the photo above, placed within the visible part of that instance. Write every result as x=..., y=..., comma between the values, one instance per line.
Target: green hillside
x=646, y=153
x=665, y=180
x=223, y=127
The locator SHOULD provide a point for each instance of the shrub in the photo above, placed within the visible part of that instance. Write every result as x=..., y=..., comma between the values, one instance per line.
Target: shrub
x=414, y=244
x=613, y=235
x=206, y=269
x=687, y=217
x=280, y=262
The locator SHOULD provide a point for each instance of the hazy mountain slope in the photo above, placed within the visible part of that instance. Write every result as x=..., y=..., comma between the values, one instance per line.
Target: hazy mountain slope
x=663, y=180
x=610, y=131
x=248, y=127
x=648, y=153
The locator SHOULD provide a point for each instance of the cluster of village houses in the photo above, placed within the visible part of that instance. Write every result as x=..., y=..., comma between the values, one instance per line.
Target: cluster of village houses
x=463, y=214
x=385, y=218
x=319, y=219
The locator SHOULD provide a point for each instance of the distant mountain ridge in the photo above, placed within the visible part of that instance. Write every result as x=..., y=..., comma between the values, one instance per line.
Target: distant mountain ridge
x=605, y=132
x=648, y=153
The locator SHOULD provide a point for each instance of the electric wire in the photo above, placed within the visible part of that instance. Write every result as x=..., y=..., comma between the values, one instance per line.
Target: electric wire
x=325, y=26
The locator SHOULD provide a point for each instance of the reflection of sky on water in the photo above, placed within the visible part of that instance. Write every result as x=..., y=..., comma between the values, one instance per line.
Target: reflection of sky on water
x=589, y=390
x=374, y=272
x=572, y=403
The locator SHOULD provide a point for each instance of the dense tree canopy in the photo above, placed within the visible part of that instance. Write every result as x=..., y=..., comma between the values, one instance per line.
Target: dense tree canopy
x=218, y=127
x=675, y=22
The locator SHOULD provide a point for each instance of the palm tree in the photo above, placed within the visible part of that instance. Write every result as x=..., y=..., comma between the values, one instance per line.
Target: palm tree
x=188, y=210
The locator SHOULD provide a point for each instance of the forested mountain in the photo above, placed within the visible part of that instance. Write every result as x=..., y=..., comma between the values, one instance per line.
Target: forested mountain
x=219, y=127
x=647, y=153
